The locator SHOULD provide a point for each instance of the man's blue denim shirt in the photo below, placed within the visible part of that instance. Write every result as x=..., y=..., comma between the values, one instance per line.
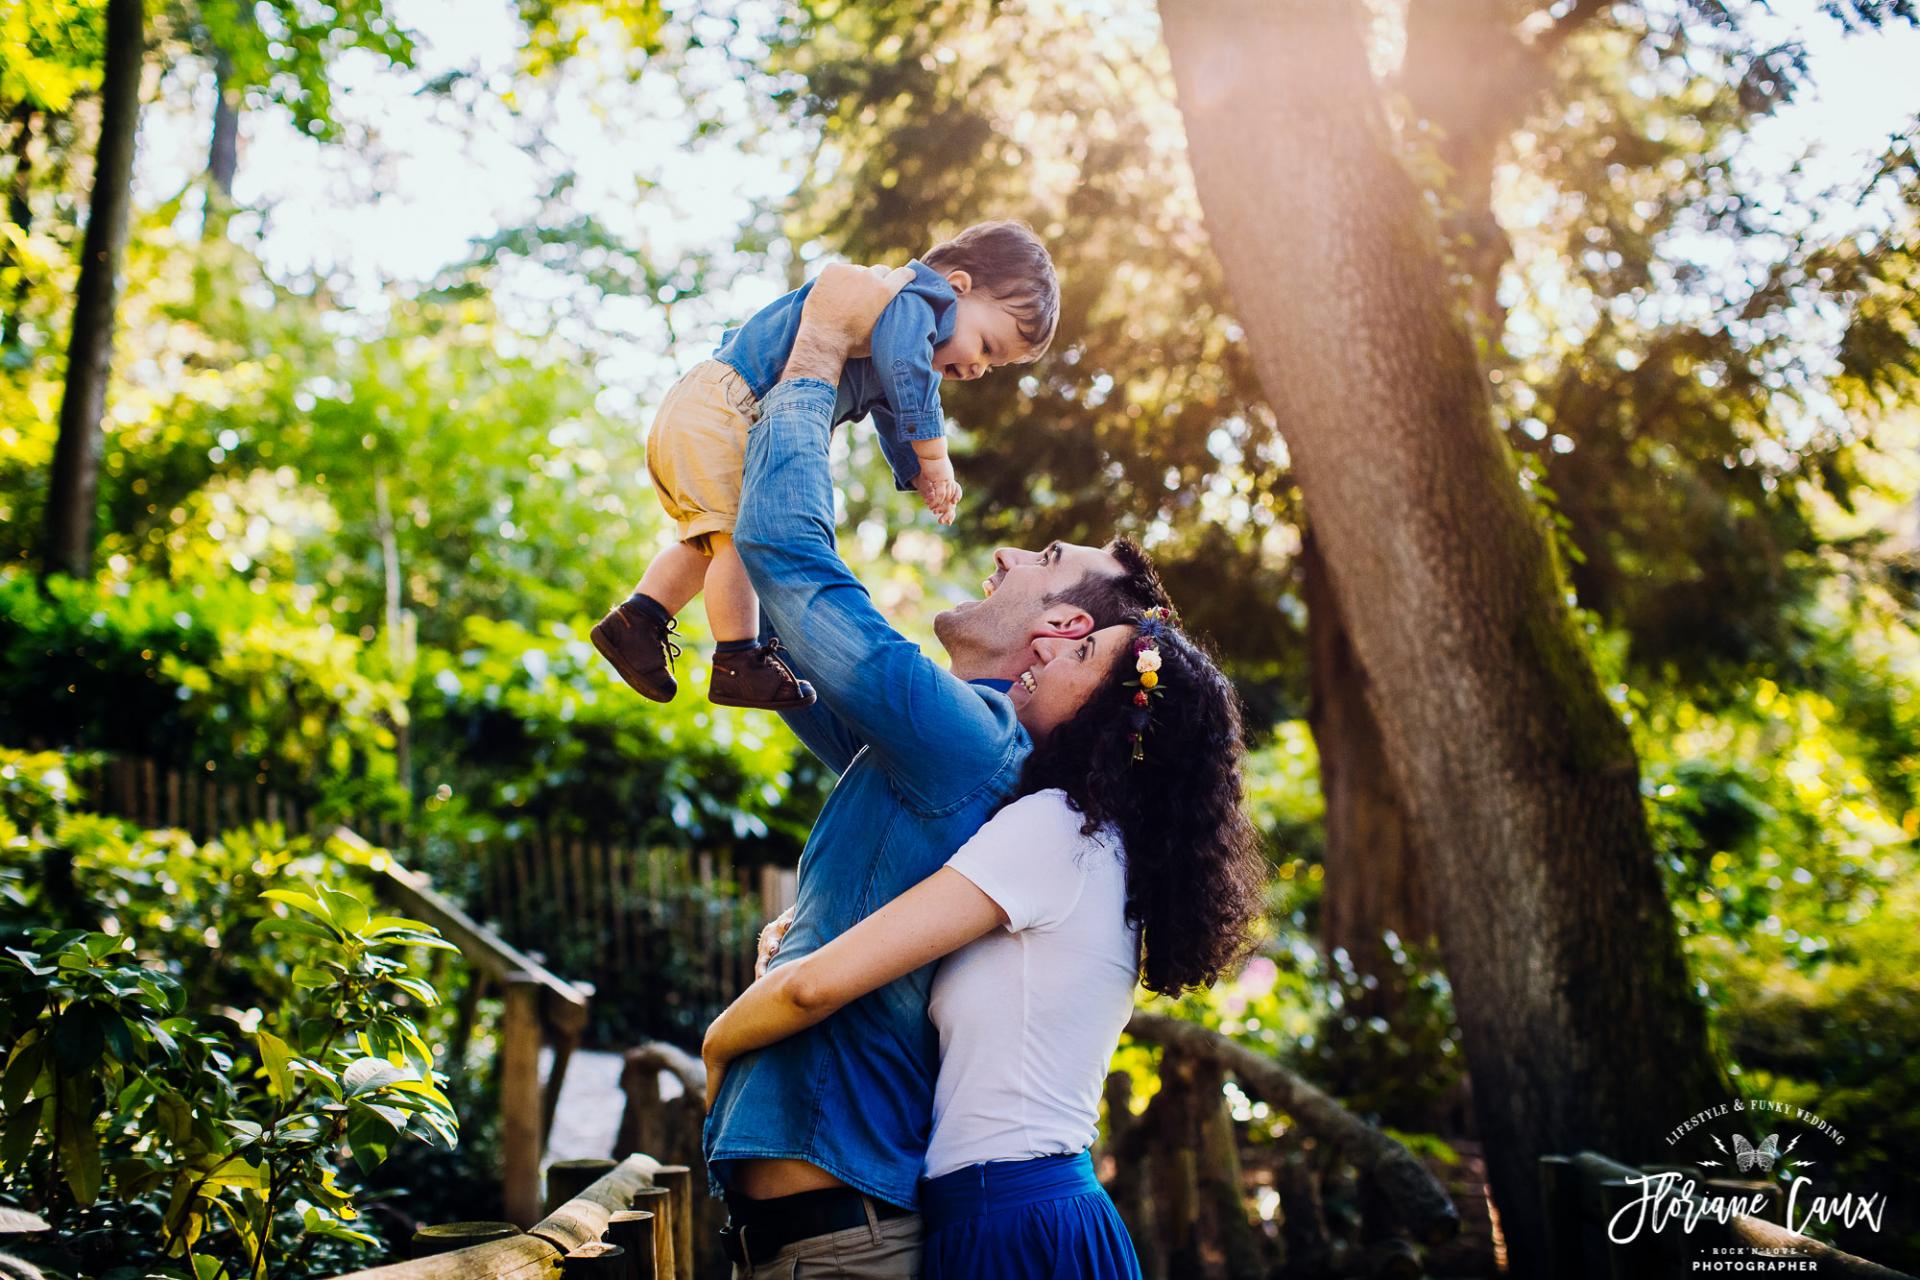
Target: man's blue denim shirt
x=924, y=759
x=897, y=384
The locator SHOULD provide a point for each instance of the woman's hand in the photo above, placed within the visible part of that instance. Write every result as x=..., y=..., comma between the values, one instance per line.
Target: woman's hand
x=770, y=941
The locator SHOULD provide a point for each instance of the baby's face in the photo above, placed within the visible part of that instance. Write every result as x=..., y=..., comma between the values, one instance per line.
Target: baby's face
x=984, y=337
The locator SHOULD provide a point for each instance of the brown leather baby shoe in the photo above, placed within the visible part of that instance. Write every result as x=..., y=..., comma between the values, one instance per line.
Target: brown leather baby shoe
x=757, y=678
x=640, y=648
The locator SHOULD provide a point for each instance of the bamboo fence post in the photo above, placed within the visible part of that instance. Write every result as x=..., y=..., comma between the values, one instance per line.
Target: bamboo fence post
x=678, y=1180
x=657, y=1200
x=584, y=910
x=150, y=785
x=632, y=1230
x=173, y=797
x=568, y=1178
x=520, y=1102
x=596, y=1261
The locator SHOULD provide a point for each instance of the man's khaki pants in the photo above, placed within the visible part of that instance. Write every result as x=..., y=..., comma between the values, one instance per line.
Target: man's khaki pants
x=888, y=1250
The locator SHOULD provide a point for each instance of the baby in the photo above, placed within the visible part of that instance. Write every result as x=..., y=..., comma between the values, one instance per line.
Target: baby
x=985, y=298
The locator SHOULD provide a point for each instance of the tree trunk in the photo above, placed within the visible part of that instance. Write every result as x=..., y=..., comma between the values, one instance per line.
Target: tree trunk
x=223, y=150
x=1581, y=1028
x=20, y=214
x=223, y=153
x=72, y=494
x=1374, y=880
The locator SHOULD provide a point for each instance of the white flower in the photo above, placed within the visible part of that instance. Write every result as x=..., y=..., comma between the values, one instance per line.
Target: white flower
x=1148, y=660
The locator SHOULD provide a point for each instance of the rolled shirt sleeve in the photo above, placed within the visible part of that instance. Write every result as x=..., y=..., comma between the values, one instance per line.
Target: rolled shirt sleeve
x=939, y=739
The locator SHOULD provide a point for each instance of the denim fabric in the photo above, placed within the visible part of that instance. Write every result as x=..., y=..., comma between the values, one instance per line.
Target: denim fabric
x=925, y=759
x=897, y=384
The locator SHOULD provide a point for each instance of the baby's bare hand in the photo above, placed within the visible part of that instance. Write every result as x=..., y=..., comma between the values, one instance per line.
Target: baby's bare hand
x=944, y=502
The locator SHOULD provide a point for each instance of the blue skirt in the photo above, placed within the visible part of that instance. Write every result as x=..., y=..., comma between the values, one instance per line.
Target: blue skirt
x=1013, y=1219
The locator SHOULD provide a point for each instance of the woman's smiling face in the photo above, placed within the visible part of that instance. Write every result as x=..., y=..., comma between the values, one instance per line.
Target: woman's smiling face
x=1064, y=673
x=985, y=335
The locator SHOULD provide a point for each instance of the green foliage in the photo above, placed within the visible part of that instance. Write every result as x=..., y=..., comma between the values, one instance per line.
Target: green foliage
x=202, y=1038
x=216, y=676
x=525, y=729
x=50, y=50
x=283, y=51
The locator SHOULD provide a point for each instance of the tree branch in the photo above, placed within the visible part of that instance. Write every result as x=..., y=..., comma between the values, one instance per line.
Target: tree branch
x=1419, y=1202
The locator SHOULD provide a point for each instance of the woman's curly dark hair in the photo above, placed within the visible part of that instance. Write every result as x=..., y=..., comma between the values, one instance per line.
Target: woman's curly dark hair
x=1194, y=865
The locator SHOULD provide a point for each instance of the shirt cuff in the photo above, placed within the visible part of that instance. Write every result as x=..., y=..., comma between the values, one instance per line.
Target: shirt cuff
x=921, y=424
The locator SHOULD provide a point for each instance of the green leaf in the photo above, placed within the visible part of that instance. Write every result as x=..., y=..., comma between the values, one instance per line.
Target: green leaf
x=369, y=1137
x=274, y=1056
x=347, y=911
x=23, y=1123
x=28, y=1058
x=365, y=1075
x=312, y=978
x=295, y=925
x=239, y=1172
x=80, y=1159
x=18, y=1222
x=386, y=924
x=31, y=963
x=299, y=902
x=120, y=1039
x=418, y=988
x=168, y=1045
x=176, y=1118
x=80, y=1037
x=431, y=941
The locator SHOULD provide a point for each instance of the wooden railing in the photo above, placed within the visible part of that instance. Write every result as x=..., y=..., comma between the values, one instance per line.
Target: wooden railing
x=1582, y=1193
x=537, y=1008
x=598, y=911
x=1178, y=1181
x=605, y=1221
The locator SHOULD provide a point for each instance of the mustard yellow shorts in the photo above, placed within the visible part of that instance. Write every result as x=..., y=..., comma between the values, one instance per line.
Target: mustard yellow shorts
x=697, y=450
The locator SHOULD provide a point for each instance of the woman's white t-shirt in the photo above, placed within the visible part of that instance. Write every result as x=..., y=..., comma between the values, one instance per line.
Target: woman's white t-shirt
x=1030, y=1014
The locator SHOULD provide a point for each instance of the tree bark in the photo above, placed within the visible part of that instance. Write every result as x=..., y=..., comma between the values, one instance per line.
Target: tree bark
x=223, y=152
x=1471, y=81
x=20, y=214
x=1580, y=1025
x=71, y=497
x=1374, y=881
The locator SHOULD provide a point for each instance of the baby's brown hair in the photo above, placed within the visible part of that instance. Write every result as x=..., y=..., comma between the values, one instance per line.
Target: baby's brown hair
x=1009, y=264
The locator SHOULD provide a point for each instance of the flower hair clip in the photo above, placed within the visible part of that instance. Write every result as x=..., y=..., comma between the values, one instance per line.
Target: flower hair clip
x=1146, y=681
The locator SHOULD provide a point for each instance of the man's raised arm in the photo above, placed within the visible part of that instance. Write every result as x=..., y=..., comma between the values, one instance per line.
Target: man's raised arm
x=936, y=737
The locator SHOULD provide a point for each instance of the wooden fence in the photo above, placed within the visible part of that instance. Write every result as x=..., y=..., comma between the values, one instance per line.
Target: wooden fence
x=665, y=937
x=604, y=1222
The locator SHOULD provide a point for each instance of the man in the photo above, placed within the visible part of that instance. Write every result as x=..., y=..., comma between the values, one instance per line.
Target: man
x=817, y=1142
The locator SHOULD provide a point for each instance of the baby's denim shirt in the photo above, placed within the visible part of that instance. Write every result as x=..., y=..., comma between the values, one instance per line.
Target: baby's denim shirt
x=897, y=384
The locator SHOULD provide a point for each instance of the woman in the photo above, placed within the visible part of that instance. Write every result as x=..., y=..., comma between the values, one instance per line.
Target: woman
x=1124, y=859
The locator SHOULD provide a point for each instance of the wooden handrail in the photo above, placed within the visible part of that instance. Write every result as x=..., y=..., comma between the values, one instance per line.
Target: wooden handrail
x=563, y=1003
x=539, y=1252
x=1418, y=1200
x=533, y=998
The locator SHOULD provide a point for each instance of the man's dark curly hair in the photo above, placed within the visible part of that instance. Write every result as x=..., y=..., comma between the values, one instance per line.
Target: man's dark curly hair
x=1113, y=598
x=1194, y=865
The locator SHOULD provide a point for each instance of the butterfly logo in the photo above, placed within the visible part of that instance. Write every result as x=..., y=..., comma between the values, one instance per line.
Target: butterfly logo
x=1748, y=1156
